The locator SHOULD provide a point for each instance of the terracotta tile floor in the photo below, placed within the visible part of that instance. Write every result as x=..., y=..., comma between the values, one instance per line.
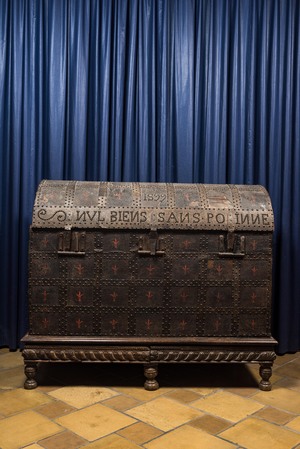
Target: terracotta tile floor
x=106, y=407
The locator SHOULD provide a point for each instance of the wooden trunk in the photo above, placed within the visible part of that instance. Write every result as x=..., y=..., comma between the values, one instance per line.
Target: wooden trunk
x=150, y=273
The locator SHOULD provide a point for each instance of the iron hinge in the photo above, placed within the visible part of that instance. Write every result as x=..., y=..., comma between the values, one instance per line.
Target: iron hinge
x=151, y=245
x=71, y=243
x=231, y=245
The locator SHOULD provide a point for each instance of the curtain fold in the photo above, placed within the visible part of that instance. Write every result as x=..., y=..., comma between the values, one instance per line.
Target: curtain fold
x=150, y=90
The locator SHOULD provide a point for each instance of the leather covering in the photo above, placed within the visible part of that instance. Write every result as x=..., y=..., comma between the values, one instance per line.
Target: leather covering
x=107, y=205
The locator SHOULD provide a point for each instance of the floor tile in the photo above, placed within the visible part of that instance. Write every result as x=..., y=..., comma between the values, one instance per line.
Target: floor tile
x=245, y=392
x=204, y=391
x=95, y=421
x=64, y=440
x=82, y=396
x=283, y=359
x=141, y=394
x=11, y=359
x=254, y=433
x=294, y=424
x=140, y=433
x=282, y=398
x=121, y=402
x=184, y=396
x=13, y=401
x=113, y=442
x=228, y=406
x=289, y=382
x=4, y=350
x=210, y=424
x=25, y=428
x=55, y=409
x=187, y=437
x=33, y=446
x=163, y=413
x=12, y=378
x=274, y=415
x=291, y=369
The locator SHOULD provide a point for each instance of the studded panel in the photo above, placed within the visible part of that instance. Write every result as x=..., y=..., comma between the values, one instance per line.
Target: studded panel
x=151, y=261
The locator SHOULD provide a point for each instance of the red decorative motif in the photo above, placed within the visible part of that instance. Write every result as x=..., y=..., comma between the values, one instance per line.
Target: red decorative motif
x=114, y=269
x=116, y=243
x=185, y=269
x=253, y=297
x=45, y=268
x=118, y=195
x=79, y=296
x=45, y=294
x=45, y=241
x=79, y=268
x=113, y=323
x=182, y=324
x=85, y=195
x=186, y=243
x=184, y=296
x=45, y=323
x=217, y=324
x=253, y=324
x=114, y=296
x=254, y=270
x=149, y=295
x=254, y=244
x=150, y=269
x=79, y=323
x=219, y=297
x=148, y=324
x=219, y=269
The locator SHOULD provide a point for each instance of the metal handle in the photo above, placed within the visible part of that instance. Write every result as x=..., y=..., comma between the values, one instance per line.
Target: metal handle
x=232, y=245
x=150, y=245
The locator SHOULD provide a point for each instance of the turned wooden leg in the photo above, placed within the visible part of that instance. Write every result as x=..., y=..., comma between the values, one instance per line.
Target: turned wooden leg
x=150, y=372
x=30, y=372
x=265, y=371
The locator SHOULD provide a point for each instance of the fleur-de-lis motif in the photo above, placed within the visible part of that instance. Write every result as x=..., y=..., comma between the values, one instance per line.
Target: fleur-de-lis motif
x=45, y=323
x=45, y=295
x=219, y=269
x=114, y=269
x=254, y=270
x=184, y=296
x=149, y=295
x=115, y=243
x=45, y=241
x=186, y=243
x=79, y=268
x=150, y=269
x=114, y=296
x=217, y=324
x=254, y=244
x=113, y=323
x=185, y=269
x=148, y=324
x=118, y=194
x=219, y=297
x=79, y=296
x=45, y=269
x=182, y=324
x=79, y=323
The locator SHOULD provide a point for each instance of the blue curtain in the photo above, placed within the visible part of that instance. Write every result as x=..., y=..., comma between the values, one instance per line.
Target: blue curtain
x=150, y=90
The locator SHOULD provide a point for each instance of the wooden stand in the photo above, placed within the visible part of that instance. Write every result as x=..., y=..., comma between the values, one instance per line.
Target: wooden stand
x=149, y=352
